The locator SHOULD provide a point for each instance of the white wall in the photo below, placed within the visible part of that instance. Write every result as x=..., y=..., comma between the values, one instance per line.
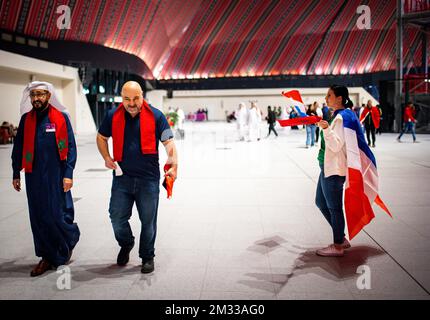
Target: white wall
x=16, y=71
x=218, y=101
x=156, y=98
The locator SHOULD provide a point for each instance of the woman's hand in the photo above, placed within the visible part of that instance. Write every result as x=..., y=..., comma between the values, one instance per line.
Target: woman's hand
x=323, y=124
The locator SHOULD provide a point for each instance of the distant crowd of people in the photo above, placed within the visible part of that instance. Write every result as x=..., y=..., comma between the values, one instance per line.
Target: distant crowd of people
x=248, y=121
x=199, y=115
x=370, y=116
x=7, y=132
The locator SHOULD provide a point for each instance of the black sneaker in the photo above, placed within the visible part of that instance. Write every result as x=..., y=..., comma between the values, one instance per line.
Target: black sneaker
x=123, y=256
x=147, y=266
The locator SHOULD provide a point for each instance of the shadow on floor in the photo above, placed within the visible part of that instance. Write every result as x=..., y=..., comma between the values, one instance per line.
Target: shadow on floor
x=268, y=244
x=106, y=271
x=307, y=262
x=339, y=268
x=81, y=273
x=12, y=269
x=335, y=269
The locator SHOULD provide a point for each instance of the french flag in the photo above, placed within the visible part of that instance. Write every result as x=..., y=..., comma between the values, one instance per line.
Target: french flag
x=295, y=101
x=361, y=186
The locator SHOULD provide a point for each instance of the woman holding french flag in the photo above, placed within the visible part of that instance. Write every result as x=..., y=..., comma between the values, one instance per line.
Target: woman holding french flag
x=345, y=158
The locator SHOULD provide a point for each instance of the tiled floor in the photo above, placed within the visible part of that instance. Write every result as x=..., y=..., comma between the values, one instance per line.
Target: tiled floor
x=242, y=224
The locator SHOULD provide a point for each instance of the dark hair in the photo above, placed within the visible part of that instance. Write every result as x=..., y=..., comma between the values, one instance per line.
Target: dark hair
x=342, y=91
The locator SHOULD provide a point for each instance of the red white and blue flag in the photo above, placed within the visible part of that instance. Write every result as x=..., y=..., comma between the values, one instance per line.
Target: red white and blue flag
x=294, y=100
x=361, y=186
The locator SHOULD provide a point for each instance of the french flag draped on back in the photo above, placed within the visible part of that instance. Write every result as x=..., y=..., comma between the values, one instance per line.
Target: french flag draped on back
x=361, y=187
x=295, y=101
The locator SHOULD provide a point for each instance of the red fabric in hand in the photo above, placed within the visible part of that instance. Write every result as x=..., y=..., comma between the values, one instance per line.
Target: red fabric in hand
x=168, y=181
x=299, y=121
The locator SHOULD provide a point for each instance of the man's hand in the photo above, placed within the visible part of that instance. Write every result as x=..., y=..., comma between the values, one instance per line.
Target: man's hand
x=323, y=124
x=172, y=159
x=109, y=163
x=17, y=184
x=172, y=172
x=67, y=184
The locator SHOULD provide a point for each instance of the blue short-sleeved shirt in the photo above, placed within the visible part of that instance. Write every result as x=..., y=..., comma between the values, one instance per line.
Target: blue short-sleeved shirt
x=134, y=163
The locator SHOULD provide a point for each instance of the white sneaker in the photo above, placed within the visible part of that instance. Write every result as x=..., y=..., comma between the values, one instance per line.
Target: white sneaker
x=346, y=244
x=330, y=251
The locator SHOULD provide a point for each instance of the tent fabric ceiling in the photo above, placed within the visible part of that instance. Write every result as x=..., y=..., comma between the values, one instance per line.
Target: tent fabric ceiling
x=208, y=38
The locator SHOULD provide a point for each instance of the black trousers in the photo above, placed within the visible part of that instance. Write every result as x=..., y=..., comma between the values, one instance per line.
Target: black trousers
x=370, y=133
x=272, y=128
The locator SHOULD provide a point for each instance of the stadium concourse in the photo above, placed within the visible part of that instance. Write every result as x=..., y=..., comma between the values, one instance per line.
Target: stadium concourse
x=252, y=111
x=242, y=224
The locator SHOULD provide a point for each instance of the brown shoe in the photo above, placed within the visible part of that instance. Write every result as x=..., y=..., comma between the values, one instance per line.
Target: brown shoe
x=41, y=268
x=69, y=257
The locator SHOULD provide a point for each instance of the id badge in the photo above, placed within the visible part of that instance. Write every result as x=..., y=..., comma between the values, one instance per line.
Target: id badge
x=50, y=127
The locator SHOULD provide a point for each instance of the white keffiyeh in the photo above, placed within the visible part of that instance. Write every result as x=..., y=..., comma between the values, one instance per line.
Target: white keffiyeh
x=26, y=105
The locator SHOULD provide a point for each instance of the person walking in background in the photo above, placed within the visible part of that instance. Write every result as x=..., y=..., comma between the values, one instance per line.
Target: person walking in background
x=409, y=122
x=271, y=120
x=378, y=130
x=371, y=118
x=180, y=124
x=242, y=120
x=325, y=115
x=254, y=119
x=293, y=114
x=310, y=128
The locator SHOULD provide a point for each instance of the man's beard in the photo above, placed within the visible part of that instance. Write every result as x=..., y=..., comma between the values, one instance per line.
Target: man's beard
x=134, y=110
x=39, y=106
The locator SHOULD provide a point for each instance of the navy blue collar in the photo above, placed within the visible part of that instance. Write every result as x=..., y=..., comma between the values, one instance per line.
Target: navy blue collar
x=337, y=111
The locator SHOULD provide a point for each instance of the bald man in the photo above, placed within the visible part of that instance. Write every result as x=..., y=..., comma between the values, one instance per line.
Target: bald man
x=136, y=129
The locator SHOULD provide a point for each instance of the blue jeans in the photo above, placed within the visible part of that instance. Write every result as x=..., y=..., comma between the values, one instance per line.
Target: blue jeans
x=408, y=126
x=329, y=199
x=310, y=134
x=145, y=193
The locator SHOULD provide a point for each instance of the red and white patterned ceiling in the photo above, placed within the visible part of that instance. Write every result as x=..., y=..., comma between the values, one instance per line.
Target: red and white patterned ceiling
x=217, y=38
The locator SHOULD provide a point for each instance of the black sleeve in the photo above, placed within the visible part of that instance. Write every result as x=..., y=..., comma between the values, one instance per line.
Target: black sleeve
x=18, y=144
x=72, y=153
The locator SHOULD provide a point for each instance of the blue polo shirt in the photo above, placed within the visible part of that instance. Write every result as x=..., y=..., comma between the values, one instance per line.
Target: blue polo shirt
x=134, y=163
